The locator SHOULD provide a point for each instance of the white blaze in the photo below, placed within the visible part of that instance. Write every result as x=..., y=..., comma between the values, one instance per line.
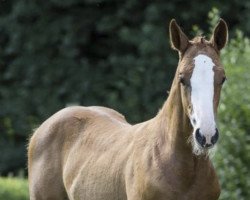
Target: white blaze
x=202, y=95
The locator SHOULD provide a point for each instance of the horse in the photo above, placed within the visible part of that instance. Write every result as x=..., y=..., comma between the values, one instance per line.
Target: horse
x=93, y=153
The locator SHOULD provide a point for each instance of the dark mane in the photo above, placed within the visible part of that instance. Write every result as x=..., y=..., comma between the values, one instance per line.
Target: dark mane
x=199, y=40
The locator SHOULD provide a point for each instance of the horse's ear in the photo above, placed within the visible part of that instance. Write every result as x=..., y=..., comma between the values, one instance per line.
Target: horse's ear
x=220, y=35
x=179, y=41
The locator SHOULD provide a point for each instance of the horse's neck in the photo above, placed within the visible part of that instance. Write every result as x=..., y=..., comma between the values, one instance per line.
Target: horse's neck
x=170, y=144
x=174, y=124
x=173, y=129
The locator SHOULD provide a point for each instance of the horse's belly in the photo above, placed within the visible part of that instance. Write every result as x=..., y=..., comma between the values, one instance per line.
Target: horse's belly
x=97, y=184
x=97, y=178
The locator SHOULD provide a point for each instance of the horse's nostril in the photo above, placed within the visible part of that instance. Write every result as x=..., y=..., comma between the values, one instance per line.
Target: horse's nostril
x=215, y=137
x=200, y=138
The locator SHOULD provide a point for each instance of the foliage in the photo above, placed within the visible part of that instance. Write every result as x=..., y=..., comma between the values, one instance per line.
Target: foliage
x=13, y=189
x=56, y=53
x=232, y=158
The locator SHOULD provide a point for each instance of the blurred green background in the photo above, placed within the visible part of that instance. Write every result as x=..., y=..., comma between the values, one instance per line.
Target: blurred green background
x=114, y=53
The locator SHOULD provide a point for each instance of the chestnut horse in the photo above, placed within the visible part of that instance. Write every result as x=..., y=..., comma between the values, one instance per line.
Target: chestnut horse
x=92, y=153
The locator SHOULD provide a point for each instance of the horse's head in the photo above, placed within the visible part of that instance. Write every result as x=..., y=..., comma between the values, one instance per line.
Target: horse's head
x=201, y=76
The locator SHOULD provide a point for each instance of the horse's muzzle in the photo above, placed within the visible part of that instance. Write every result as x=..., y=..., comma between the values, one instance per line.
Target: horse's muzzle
x=206, y=142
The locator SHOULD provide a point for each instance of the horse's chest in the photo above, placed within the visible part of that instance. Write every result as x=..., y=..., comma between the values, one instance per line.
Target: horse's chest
x=207, y=192
x=184, y=187
x=194, y=193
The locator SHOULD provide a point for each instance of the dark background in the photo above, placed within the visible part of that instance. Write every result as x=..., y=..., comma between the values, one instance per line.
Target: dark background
x=117, y=54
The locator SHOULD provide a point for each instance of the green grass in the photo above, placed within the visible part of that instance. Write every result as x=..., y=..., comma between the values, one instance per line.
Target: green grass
x=13, y=189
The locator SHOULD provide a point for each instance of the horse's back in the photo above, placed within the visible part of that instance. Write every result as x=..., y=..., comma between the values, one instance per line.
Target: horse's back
x=71, y=120
x=56, y=138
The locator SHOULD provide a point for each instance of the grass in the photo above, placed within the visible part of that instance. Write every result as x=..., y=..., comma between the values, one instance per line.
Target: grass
x=14, y=189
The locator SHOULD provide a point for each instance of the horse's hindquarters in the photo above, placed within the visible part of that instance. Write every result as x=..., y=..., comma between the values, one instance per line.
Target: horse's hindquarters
x=75, y=152
x=45, y=180
x=47, y=150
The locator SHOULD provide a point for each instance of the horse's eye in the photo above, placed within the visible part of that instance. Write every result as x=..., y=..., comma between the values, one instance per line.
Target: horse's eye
x=181, y=79
x=223, y=80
